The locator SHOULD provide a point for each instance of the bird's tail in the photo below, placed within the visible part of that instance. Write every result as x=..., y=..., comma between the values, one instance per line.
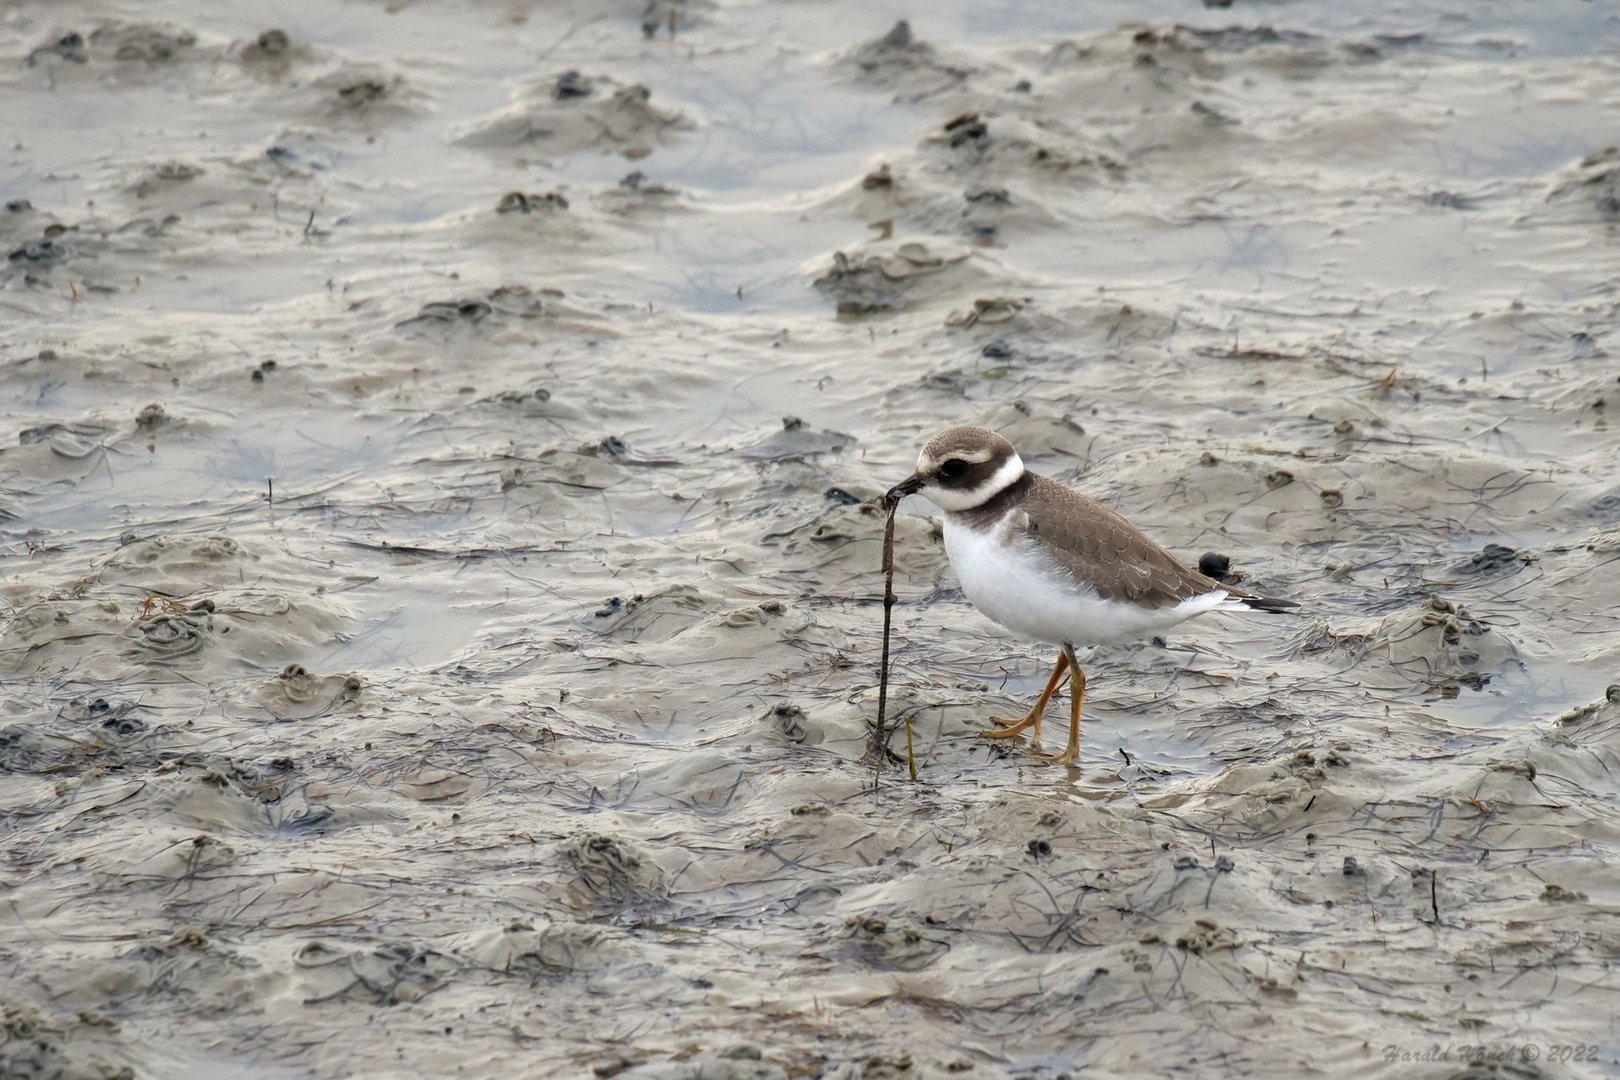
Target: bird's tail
x=1264, y=603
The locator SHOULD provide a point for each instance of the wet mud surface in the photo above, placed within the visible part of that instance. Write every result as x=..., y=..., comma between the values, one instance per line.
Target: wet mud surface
x=440, y=598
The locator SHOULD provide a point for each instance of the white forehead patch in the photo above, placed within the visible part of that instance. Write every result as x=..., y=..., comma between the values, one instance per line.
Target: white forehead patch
x=926, y=462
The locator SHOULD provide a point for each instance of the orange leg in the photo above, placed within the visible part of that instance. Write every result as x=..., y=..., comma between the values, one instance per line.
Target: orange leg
x=1006, y=729
x=1077, y=698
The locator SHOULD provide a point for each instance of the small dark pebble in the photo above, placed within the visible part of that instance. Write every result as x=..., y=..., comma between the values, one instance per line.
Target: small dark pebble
x=1038, y=849
x=842, y=497
x=1212, y=564
x=969, y=133
x=69, y=46
x=1279, y=478
x=18, y=206
x=124, y=725
x=257, y=376
x=1351, y=867
x=1186, y=862
x=571, y=84
x=39, y=251
x=613, y=447
x=997, y=350
x=1494, y=557
x=522, y=203
x=612, y=605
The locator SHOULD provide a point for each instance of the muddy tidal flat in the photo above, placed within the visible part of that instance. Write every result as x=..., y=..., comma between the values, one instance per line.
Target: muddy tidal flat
x=440, y=443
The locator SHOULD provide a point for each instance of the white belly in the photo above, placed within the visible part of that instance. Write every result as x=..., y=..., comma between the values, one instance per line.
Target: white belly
x=1032, y=596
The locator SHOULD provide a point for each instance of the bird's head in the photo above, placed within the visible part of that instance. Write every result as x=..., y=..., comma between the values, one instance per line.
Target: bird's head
x=961, y=468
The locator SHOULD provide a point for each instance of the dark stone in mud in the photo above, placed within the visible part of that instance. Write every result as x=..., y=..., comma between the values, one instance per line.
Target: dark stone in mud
x=1494, y=557
x=124, y=725
x=881, y=179
x=1279, y=478
x=357, y=95
x=273, y=42
x=842, y=497
x=522, y=203
x=1212, y=564
x=18, y=206
x=70, y=47
x=998, y=349
x=570, y=85
x=40, y=252
x=965, y=129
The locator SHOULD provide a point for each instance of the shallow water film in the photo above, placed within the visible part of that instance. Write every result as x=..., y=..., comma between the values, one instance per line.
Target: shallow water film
x=439, y=538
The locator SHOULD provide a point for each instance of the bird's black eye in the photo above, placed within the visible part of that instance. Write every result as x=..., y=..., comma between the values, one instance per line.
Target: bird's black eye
x=953, y=469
